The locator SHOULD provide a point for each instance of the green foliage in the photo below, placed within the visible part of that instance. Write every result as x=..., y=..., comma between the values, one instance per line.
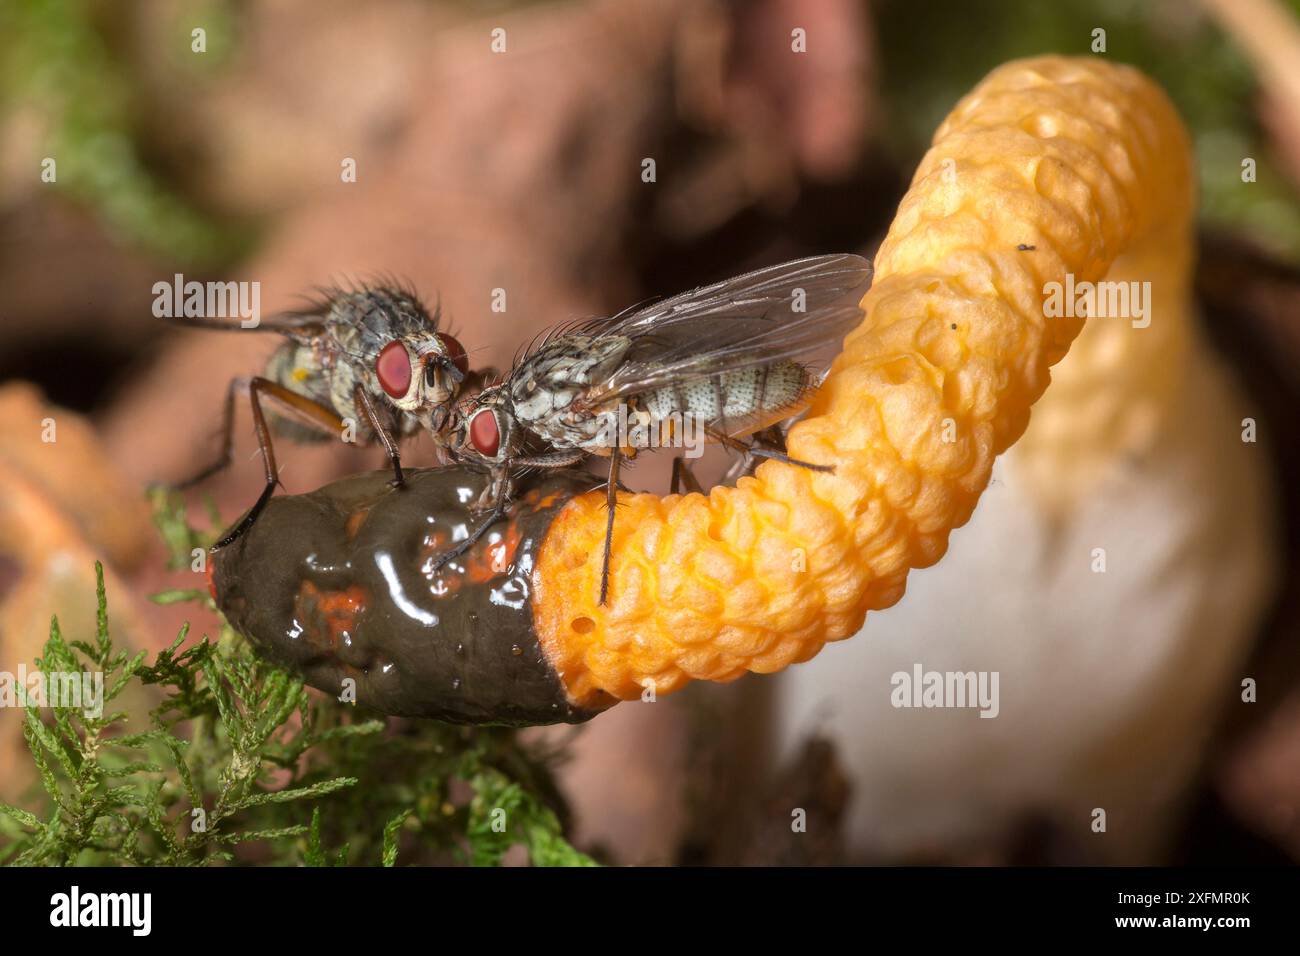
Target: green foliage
x=497, y=800
x=56, y=65
x=179, y=538
x=241, y=764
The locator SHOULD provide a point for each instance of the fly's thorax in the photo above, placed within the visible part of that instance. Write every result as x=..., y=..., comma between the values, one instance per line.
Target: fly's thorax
x=590, y=429
x=623, y=426
x=336, y=388
x=758, y=392
x=342, y=386
x=365, y=320
x=546, y=385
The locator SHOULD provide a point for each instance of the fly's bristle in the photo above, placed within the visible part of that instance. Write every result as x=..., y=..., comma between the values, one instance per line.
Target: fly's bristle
x=389, y=289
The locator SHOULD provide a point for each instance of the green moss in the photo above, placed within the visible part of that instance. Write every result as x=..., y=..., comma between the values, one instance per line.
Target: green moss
x=238, y=763
x=56, y=65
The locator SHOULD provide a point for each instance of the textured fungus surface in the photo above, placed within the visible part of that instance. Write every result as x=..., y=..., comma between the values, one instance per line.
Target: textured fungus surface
x=1050, y=169
x=1050, y=166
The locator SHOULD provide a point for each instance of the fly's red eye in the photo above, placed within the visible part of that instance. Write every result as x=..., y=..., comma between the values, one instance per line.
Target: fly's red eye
x=484, y=434
x=455, y=352
x=394, y=369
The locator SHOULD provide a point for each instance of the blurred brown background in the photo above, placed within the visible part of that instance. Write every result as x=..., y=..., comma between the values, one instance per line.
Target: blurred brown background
x=522, y=170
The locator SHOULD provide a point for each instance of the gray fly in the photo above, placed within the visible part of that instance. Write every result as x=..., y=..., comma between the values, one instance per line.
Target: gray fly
x=733, y=356
x=371, y=357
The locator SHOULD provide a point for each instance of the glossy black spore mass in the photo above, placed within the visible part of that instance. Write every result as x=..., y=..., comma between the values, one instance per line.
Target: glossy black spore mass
x=338, y=584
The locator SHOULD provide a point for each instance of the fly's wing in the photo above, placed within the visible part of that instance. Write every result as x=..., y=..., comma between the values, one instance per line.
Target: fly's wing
x=392, y=306
x=302, y=326
x=786, y=312
x=354, y=321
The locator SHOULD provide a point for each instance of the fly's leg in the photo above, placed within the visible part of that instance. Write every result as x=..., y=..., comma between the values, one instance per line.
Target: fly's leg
x=782, y=456
x=494, y=514
x=362, y=401
x=770, y=440
x=772, y=437
x=496, y=497
x=750, y=448
x=611, y=502
x=559, y=459
x=227, y=440
x=684, y=477
x=313, y=412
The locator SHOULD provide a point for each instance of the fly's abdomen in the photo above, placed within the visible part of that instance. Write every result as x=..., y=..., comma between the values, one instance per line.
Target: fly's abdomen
x=297, y=368
x=739, y=400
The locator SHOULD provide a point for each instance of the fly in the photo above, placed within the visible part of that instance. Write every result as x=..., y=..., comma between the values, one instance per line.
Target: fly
x=732, y=356
x=371, y=356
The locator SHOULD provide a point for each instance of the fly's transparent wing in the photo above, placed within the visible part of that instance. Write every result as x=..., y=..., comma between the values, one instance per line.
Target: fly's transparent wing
x=783, y=312
x=295, y=325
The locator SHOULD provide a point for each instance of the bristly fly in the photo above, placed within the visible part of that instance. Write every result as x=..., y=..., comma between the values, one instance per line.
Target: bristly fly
x=732, y=355
x=371, y=357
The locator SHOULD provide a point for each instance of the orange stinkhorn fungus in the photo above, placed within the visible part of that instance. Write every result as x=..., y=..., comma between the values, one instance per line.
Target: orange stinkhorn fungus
x=1052, y=171
x=1050, y=168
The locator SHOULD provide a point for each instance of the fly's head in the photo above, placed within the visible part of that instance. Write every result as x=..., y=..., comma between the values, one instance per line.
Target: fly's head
x=422, y=375
x=485, y=430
